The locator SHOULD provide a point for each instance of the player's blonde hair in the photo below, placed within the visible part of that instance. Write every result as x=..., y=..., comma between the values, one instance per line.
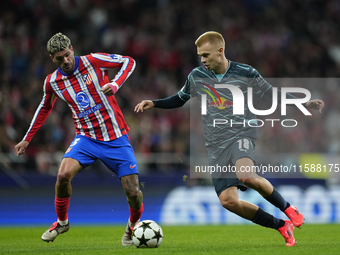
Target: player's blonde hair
x=211, y=37
x=58, y=42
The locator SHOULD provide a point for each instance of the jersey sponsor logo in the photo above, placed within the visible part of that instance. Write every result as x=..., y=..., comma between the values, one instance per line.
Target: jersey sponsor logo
x=132, y=166
x=83, y=99
x=224, y=103
x=89, y=111
x=87, y=78
x=68, y=150
x=218, y=102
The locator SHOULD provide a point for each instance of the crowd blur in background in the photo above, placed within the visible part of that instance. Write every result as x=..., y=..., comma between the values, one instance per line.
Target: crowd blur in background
x=282, y=38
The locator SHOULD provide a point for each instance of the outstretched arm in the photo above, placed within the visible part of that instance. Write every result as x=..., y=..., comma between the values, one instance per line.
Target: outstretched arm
x=144, y=105
x=38, y=120
x=165, y=103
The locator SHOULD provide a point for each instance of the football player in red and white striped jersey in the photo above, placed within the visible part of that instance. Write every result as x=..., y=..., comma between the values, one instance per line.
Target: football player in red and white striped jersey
x=83, y=83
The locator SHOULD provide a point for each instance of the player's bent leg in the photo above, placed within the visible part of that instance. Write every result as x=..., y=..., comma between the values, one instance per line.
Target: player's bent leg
x=246, y=173
x=266, y=189
x=229, y=200
x=135, y=199
x=68, y=169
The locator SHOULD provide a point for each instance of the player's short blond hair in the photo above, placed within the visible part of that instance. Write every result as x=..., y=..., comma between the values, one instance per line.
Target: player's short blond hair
x=58, y=42
x=211, y=37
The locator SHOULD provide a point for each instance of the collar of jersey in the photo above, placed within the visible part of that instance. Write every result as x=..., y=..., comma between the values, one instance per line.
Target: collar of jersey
x=75, y=67
x=220, y=76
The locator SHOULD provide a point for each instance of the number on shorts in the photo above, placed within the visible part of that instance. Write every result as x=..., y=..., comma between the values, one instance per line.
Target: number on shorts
x=74, y=142
x=243, y=144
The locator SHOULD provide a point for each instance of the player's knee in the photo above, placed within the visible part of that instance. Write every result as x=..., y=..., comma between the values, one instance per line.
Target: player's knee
x=230, y=203
x=250, y=182
x=63, y=177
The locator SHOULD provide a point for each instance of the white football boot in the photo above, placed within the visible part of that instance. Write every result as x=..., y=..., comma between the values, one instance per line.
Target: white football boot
x=127, y=237
x=56, y=229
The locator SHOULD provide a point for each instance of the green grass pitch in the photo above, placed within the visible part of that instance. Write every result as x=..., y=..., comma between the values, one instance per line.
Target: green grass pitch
x=226, y=239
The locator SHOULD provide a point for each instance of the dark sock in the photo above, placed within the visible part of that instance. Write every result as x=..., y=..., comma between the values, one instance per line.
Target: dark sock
x=277, y=200
x=267, y=220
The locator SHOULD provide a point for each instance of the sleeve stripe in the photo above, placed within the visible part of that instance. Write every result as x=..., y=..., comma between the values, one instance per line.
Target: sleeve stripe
x=106, y=58
x=28, y=136
x=124, y=68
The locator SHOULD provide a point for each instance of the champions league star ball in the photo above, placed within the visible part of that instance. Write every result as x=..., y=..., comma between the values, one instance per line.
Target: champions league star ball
x=147, y=234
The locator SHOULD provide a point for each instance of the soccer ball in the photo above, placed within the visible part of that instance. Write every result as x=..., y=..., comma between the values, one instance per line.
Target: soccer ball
x=147, y=234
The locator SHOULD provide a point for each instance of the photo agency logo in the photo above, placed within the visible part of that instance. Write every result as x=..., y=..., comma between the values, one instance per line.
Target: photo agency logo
x=218, y=98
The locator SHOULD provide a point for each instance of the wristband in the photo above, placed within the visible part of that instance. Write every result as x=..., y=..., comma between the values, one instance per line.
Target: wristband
x=114, y=87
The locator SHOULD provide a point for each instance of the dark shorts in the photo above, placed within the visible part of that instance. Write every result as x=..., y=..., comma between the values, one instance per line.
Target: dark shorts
x=117, y=154
x=241, y=148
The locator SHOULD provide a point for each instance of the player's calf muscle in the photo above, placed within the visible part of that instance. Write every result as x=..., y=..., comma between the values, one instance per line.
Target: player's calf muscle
x=130, y=183
x=132, y=191
x=136, y=201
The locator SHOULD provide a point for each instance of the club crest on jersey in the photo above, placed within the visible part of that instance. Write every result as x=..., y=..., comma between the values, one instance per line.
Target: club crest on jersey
x=87, y=78
x=83, y=99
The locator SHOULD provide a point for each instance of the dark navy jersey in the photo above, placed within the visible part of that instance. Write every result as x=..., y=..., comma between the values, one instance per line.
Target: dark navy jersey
x=220, y=102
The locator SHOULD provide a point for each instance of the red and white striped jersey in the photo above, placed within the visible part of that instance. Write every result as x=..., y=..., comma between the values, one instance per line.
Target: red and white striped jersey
x=95, y=115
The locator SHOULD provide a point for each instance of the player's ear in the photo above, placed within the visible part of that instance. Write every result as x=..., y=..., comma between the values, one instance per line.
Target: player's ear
x=220, y=50
x=52, y=58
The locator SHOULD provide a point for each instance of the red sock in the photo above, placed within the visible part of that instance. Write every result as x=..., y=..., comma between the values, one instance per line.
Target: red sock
x=136, y=214
x=61, y=207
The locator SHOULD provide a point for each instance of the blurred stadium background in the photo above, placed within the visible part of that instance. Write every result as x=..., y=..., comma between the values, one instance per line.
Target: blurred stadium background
x=284, y=38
